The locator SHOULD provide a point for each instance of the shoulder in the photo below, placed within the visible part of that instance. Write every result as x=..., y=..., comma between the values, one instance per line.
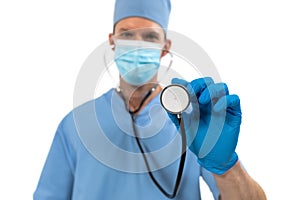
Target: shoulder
x=83, y=113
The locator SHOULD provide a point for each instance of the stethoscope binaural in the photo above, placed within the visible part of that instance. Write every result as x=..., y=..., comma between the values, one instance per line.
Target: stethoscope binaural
x=175, y=99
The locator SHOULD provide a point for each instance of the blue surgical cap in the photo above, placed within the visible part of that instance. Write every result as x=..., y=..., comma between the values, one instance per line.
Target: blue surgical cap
x=155, y=10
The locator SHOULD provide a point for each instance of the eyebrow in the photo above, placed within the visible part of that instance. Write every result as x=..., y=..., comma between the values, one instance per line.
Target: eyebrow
x=129, y=29
x=124, y=29
x=153, y=32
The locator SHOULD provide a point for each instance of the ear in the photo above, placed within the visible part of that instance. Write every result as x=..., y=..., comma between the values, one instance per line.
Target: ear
x=111, y=41
x=166, y=48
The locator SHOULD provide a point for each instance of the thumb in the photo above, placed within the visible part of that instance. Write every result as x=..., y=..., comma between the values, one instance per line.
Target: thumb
x=179, y=81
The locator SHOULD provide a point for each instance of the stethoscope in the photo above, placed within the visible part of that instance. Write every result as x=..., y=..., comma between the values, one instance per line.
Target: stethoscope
x=175, y=99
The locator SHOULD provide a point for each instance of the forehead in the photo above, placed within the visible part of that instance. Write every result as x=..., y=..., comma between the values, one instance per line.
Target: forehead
x=132, y=23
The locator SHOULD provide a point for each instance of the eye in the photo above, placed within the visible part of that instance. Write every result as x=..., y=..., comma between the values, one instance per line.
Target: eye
x=151, y=37
x=126, y=35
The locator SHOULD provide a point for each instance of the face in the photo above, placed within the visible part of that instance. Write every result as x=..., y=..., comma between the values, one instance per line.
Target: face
x=138, y=65
x=136, y=28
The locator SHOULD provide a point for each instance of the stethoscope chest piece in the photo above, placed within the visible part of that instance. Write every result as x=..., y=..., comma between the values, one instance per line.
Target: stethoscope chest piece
x=175, y=98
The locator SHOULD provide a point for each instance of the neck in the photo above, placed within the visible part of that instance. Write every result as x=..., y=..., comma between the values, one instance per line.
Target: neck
x=135, y=96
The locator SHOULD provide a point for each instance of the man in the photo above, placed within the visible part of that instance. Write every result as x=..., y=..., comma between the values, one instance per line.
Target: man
x=81, y=165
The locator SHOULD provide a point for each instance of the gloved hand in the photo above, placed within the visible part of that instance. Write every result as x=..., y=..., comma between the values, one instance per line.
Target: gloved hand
x=212, y=123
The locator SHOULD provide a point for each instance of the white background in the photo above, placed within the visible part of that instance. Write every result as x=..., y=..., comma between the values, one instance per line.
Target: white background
x=254, y=44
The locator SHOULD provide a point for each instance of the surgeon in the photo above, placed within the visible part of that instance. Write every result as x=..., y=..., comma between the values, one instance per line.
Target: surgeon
x=124, y=145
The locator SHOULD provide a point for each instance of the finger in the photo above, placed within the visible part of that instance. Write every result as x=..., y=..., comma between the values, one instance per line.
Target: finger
x=231, y=103
x=199, y=85
x=213, y=92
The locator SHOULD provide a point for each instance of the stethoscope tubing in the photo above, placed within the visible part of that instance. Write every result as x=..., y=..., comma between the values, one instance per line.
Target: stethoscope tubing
x=181, y=164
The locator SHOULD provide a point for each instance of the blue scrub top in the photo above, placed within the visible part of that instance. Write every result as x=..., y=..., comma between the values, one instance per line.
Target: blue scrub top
x=94, y=155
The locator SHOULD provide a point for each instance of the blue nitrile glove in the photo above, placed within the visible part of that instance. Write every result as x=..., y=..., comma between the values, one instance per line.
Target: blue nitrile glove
x=212, y=123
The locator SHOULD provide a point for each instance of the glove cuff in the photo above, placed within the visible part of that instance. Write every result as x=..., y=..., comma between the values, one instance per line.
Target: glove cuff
x=218, y=168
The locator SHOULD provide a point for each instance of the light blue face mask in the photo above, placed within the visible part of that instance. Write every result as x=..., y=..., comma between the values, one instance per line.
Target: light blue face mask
x=137, y=61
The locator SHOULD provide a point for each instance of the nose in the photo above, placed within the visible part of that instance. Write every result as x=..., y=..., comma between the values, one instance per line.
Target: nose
x=139, y=37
